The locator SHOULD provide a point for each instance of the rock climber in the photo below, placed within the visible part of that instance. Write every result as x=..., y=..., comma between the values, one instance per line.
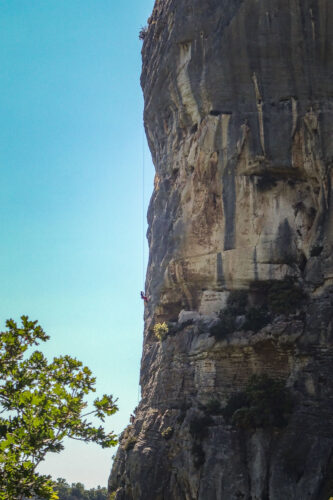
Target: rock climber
x=144, y=298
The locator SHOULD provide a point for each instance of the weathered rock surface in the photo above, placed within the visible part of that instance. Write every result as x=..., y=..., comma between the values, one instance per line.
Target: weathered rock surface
x=239, y=118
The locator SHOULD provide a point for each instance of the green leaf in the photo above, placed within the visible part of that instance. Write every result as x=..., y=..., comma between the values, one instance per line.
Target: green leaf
x=45, y=401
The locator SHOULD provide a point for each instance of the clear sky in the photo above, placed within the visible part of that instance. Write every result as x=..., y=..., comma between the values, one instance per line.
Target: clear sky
x=71, y=142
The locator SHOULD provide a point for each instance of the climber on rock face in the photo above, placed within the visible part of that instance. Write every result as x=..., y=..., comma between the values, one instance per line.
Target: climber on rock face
x=144, y=298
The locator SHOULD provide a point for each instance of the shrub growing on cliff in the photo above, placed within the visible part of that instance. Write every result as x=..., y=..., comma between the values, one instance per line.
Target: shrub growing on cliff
x=143, y=33
x=237, y=301
x=130, y=443
x=199, y=426
x=127, y=438
x=167, y=433
x=237, y=308
x=225, y=326
x=161, y=331
x=284, y=296
x=265, y=402
x=256, y=319
x=41, y=403
x=277, y=297
x=235, y=402
x=213, y=407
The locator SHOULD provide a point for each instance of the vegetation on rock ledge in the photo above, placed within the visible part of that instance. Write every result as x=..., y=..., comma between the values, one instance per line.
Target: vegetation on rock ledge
x=167, y=433
x=127, y=439
x=143, y=32
x=161, y=330
x=238, y=316
x=273, y=297
x=265, y=402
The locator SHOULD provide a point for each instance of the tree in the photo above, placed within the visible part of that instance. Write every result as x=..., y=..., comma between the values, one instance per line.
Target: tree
x=78, y=492
x=62, y=488
x=41, y=403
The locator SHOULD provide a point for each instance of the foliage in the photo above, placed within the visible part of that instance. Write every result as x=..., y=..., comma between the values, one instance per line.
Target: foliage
x=235, y=401
x=327, y=486
x=213, y=407
x=199, y=426
x=256, y=319
x=284, y=296
x=277, y=297
x=77, y=491
x=130, y=443
x=236, y=306
x=167, y=433
x=237, y=301
x=161, y=330
x=41, y=403
x=264, y=403
x=225, y=326
x=143, y=32
x=127, y=438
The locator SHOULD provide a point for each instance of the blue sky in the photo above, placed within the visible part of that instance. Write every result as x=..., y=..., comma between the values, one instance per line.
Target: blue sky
x=71, y=147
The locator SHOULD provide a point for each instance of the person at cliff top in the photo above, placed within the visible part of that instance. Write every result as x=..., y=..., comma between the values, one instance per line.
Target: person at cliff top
x=144, y=298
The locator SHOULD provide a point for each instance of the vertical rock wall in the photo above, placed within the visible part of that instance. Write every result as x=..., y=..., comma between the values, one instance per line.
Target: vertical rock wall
x=238, y=115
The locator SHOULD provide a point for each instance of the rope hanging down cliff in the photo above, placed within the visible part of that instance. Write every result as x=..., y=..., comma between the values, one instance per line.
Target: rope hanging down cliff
x=142, y=294
x=143, y=208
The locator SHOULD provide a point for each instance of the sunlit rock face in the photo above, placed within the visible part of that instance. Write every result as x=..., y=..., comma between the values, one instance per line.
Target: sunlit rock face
x=239, y=119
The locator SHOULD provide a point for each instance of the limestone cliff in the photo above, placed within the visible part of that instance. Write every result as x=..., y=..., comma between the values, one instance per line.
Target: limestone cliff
x=239, y=119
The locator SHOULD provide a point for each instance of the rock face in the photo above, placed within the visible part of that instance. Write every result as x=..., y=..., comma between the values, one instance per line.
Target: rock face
x=239, y=119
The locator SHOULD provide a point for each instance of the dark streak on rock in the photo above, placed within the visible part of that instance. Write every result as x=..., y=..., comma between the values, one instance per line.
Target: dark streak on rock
x=229, y=205
x=219, y=269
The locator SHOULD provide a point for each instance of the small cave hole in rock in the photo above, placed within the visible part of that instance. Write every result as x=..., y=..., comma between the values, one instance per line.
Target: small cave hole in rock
x=285, y=99
x=265, y=182
x=312, y=212
x=194, y=128
x=175, y=172
x=302, y=262
x=316, y=250
x=215, y=112
x=298, y=207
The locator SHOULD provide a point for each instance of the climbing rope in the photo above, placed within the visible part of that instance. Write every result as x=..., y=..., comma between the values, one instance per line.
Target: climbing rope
x=143, y=209
x=143, y=227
